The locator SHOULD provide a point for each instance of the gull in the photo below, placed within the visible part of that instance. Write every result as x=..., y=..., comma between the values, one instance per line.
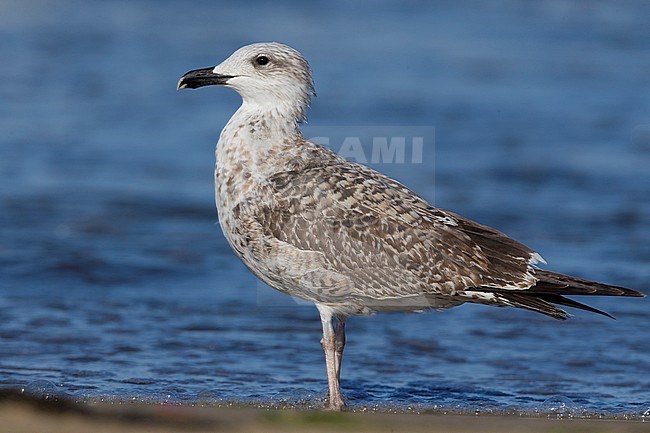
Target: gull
x=347, y=238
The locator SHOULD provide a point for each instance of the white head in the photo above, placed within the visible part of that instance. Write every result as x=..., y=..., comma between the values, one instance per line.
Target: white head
x=268, y=76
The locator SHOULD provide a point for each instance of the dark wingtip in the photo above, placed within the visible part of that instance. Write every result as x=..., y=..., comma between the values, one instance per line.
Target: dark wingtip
x=604, y=313
x=561, y=300
x=554, y=283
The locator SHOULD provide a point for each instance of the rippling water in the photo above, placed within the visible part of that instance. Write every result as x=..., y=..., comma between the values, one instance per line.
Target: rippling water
x=116, y=283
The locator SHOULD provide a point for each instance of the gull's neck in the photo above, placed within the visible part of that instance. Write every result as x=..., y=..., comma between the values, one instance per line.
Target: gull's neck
x=264, y=122
x=256, y=132
x=258, y=141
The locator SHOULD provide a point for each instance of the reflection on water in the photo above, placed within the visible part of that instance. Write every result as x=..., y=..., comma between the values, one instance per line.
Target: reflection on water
x=116, y=282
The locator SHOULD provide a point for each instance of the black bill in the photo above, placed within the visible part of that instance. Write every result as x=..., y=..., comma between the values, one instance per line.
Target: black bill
x=202, y=77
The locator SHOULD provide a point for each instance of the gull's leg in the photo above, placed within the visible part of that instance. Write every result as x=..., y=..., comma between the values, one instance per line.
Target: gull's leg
x=334, y=399
x=339, y=333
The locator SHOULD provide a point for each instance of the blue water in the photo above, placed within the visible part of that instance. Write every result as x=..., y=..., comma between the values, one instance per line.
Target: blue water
x=116, y=282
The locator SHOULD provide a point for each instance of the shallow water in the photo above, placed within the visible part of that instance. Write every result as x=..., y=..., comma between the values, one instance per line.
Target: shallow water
x=116, y=283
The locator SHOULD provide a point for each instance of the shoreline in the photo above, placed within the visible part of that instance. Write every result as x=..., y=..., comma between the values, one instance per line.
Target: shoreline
x=21, y=412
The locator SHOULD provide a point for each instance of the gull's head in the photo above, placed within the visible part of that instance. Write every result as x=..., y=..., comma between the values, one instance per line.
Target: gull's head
x=268, y=76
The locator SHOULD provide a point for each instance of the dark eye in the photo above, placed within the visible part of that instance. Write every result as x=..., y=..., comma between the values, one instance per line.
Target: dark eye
x=262, y=60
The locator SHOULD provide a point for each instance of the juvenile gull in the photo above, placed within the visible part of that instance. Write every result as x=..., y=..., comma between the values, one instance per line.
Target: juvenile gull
x=343, y=236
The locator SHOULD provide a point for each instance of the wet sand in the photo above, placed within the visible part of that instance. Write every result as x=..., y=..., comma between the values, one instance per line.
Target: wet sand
x=20, y=413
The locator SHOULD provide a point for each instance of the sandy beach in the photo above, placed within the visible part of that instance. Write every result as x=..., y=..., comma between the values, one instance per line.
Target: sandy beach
x=26, y=414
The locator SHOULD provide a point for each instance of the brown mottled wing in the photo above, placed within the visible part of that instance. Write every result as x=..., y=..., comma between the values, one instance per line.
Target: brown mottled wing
x=336, y=232
x=383, y=238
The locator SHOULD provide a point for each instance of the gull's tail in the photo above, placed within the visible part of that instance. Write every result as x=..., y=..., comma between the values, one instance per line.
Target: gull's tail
x=551, y=288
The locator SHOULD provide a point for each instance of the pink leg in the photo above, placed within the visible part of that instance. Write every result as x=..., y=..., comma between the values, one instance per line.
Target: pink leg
x=339, y=333
x=334, y=399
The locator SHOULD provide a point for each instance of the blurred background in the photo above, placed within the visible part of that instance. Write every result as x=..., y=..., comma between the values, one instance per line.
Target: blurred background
x=115, y=280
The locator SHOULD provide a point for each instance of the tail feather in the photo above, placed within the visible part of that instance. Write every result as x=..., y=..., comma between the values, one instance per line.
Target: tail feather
x=533, y=303
x=549, y=290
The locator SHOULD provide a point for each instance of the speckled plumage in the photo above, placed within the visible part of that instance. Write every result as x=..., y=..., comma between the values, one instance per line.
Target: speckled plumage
x=338, y=233
x=353, y=241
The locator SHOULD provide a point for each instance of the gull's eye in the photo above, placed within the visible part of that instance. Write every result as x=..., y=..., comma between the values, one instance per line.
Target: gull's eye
x=262, y=60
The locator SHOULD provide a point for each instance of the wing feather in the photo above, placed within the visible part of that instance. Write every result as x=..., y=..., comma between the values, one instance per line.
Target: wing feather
x=334, y=231
x=386, y=239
